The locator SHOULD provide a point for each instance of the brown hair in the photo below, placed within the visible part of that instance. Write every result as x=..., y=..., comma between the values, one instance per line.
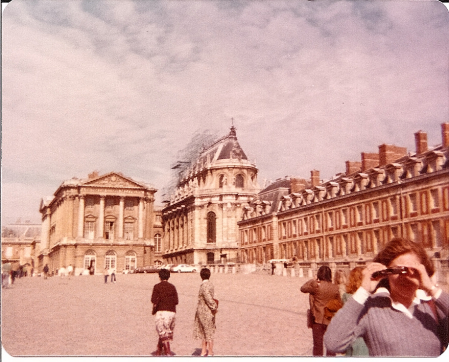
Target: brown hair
x=340, y=277
x=400, y=246
x=354, y=280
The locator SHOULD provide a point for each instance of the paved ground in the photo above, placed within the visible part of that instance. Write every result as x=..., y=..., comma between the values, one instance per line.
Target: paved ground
x=259, y=315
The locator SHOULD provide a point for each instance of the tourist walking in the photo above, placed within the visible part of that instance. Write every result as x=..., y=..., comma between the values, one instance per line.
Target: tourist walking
x=322, y=291
x=106, y=274
x=204, y=325
x=6, y=271
x=398, y=310
x=164, y=299
x=45, y=270
x=113, y=279
x=70, y=270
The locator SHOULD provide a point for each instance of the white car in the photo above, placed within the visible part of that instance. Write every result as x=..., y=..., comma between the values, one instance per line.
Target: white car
x=184, y=268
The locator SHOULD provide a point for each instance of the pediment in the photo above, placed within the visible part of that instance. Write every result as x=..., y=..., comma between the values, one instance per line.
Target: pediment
x=113, y=180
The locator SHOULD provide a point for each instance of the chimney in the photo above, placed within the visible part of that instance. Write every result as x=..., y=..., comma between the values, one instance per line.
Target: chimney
x=297, y=184
x=315, y=178
x=421, y=142
x=369, y=160
x=445, y=134
x=390, y=153
x=352, y=167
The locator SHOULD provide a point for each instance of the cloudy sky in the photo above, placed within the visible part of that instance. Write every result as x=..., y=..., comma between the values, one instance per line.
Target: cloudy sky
x=124, y=85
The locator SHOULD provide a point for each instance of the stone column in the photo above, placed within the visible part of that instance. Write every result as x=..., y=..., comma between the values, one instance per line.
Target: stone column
x=120, y=217
x=70, y=219
x=101, y=218
x=81, y=217
x=46, y=230
x=141, y=218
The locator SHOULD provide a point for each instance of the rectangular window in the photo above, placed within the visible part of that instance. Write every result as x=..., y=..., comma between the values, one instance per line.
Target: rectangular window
x=394, y=206
x=90, y=202
x=413, y=203
x=295, y=232
x=129, y=204
x=318, y=222
x=376, y=211
x=330, y=220
x=344, y=217
x=89, y=230
x=129, y=231
x=359, y=214
x=434, y=199
x=8, y=252
x=109, y=230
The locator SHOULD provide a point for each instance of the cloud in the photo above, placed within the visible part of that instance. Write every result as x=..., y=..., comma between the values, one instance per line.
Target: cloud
x=124, y=85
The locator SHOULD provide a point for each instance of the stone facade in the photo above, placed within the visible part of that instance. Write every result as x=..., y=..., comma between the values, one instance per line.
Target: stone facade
x=347, y=220
x=21, y=244
x=106, y=220
x=200, y=219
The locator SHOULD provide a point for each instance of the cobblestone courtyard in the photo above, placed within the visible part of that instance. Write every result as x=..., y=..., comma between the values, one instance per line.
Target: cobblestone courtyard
x=259, y=315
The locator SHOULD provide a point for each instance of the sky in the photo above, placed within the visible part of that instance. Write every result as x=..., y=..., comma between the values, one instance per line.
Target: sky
x=124, y=85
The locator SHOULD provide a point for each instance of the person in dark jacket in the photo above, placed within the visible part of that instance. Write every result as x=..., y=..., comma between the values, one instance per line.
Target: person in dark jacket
x=323, y=291
x=164, y=299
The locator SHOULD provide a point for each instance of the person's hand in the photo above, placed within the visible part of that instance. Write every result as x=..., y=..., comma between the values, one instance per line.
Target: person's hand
x=425, y=283
x=368, y=283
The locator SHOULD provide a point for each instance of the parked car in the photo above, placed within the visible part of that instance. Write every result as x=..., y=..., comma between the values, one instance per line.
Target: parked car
x=147, y=269
x=165, y=266
x=184, y=268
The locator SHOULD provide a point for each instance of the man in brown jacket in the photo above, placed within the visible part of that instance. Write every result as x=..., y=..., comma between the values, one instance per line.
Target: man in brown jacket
x=322, y=292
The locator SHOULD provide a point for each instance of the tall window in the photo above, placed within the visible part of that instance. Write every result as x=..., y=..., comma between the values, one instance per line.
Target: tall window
x=221, y=181
x=210, y=258
x=89, y=229
x=129, y=231
x=157, y=243
x=239, y=181
x=211, y=227
x=110, y=260
x=109, y=230
x=130, y=260
x=89, y=259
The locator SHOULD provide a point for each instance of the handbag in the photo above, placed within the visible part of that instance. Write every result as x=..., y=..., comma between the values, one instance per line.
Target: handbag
x=332, y=307
x=310, y=318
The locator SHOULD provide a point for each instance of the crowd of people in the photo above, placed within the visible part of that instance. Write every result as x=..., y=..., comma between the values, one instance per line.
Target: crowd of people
x=11, y=271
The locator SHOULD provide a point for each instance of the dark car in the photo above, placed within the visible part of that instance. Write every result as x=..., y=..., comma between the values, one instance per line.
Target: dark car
x=147, y=269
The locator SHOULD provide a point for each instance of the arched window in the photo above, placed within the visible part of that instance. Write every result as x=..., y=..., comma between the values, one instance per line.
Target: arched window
x=89, y=259
x=130, y=260
x=239, y=181
x=221, y=181
x=211, y=227
x=110, y=260
x=157, y=243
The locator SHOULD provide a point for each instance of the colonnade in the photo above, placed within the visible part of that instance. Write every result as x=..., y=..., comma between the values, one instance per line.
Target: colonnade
x=101, y=217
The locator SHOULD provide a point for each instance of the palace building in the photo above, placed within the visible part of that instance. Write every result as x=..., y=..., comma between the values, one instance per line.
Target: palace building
x=345, y=221
x=200, y=218
x=106, y=220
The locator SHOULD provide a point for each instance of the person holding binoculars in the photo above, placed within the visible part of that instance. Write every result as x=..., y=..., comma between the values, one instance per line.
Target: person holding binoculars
x=398, y=310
